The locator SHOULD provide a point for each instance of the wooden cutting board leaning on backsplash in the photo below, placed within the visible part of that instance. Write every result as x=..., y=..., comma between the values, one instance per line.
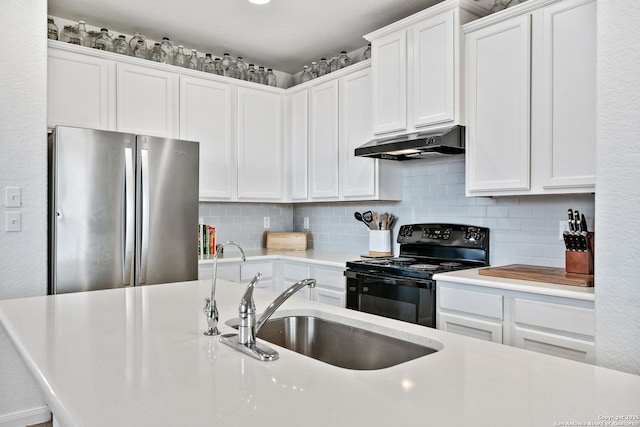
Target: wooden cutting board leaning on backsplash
x=292, y=241
x=538, y=274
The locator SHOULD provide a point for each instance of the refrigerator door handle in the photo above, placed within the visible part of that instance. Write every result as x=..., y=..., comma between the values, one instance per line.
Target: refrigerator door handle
x=144, y=245
x=129, y=235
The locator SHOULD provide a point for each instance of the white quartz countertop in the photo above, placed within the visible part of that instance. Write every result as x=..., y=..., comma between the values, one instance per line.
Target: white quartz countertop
x=331, y=258
x=471, y=277
x=137, y=357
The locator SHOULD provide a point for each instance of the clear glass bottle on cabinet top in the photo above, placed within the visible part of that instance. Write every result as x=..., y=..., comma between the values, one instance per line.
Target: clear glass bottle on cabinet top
x=208, y=64
x=241, y=69
x=156, y=54
x=271, y=78
x=180, y=59
x=121, y=46
x=140, y=50
x=104, y=41
x=168, y=49
x=83, y=34
x=52, y=29
x=193, y=62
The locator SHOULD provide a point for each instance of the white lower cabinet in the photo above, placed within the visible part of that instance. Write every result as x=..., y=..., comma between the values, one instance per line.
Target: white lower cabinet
x=248, y=270
x=226, y=271
x=557, y=326
x=330, y=282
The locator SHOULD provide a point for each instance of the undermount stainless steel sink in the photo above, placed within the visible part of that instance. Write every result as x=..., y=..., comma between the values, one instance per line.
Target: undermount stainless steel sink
x=339, y=344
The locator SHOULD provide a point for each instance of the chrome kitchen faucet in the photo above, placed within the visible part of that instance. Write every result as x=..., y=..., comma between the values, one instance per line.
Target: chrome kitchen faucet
x=248, y=326
x=210, y=309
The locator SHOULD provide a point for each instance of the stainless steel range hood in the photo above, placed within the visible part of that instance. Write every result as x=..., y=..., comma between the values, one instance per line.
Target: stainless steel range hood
x=446, y=141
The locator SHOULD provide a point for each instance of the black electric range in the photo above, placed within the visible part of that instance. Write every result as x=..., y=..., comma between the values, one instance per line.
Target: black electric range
x=402, y=287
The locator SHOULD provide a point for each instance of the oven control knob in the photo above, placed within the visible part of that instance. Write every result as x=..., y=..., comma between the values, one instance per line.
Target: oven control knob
x=365, y=289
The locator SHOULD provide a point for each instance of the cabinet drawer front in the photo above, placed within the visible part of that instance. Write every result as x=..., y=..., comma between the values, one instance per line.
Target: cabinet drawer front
x=247, y=271
x=329, y=297
x=555, y=345
x=578, y=320
x=226, y=272
x=296, y=272
x=327, y=277
x=475, y=328
x=489, y=305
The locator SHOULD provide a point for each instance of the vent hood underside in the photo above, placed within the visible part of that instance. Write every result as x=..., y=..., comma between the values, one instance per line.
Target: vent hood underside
x=415, y=146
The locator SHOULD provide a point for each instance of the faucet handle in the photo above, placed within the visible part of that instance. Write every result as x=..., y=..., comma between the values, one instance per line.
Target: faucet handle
x=247, y=306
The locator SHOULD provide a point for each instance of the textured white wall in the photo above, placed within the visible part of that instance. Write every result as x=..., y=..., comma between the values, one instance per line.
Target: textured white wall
x=23, y=163
x=618, y=189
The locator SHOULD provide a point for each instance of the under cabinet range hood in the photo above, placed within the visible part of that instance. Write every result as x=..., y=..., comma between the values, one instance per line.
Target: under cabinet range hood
x=415, y=146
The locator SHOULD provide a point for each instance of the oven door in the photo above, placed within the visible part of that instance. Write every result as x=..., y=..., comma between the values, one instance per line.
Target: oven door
x=408, y=299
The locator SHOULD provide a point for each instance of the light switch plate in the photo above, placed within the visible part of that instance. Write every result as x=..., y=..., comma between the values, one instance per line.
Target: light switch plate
x=267, y=222
x=13, y=198
x=13, y=221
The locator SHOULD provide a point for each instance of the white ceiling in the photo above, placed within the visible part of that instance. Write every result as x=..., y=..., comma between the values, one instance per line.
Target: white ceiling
x=283, y=35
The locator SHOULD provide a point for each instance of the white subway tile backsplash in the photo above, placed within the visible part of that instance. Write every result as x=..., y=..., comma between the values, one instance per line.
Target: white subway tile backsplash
x=524, y=229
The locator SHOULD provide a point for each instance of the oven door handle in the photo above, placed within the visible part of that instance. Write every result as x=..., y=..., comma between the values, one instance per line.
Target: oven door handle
x=391, y=280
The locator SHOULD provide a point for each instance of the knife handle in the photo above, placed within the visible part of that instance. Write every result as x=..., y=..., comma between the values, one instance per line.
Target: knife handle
x=571, y=220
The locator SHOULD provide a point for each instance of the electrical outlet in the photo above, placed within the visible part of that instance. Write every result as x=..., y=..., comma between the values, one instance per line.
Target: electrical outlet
x=306, y=222
x=564, y=226
x=267, y=222
x=13, y=221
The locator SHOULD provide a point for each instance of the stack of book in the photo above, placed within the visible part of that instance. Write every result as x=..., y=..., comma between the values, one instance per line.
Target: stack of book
x=206, y=240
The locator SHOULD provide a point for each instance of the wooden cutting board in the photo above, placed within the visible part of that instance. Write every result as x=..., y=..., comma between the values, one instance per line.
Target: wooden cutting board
x=293, y=241
x=538, y=274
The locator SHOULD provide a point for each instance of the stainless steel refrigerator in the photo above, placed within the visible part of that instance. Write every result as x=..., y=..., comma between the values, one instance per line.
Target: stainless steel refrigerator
x=123, y=210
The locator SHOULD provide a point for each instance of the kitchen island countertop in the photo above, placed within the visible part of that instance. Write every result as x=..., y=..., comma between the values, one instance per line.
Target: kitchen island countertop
x=138, y=357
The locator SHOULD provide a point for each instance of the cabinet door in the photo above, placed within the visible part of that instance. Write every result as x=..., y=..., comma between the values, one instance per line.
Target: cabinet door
x=555, y=344
x=498, y=107
x=329, y=297
x=358, y=174
x=564, y=94
x=147, y=101
x=81, y=90
x=205, y=116
x=470, y=327
x=389, y=73
x=433, y=70
x=260, y=166
x=299, y=144
x=323, y=140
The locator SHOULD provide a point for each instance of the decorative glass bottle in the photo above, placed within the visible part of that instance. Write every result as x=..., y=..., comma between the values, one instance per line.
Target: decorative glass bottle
x=52, y=29
x=91, y=38
x=227, y=65
x=140, y=50
x=217, y=66
x=241, y=69
x=367, y=52
x=157, y=54
x=252, y=76
x=180, y=59
x=208, y=64
x=305, y=76
x=333, y=64
x=271, y=78
x=323, y=67
x=134, y=41
x=104, y=41
x=262, y=75
x=68, y=34
x=313, y=71
x=84, y=35
x=343, y=60
x=192, y=63
x=168, y=49
x=120, y=45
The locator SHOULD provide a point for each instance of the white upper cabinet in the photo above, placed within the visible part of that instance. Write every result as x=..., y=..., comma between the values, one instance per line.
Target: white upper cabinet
x=358, y=174
x=416, y=69
x=81, y=90
x=498, y=123
x=147, y=101
x=323, y=140
x=337, y=122
x=260, y=144
x=564, y=105
x=531, y=93
x=434, y=88
x=389, y=69
x=206, y=110
x=298, y=144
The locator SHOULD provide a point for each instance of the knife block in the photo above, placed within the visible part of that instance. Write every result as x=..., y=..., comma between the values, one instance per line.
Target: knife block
x=580, y=262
